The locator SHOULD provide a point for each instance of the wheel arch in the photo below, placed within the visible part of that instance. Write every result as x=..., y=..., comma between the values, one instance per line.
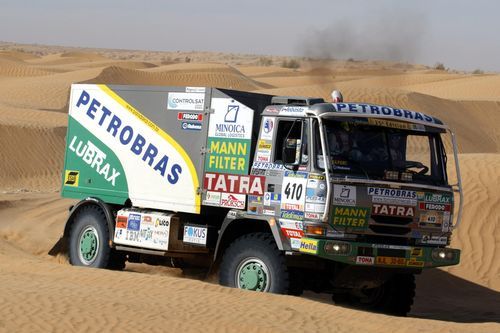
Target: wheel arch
x=90, y=201
x=233, y=228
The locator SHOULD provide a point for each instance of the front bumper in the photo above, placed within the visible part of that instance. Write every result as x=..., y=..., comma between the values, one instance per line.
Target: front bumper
x=366, y=254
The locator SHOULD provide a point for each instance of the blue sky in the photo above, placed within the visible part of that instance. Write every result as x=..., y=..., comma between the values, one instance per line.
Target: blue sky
x=461, y=34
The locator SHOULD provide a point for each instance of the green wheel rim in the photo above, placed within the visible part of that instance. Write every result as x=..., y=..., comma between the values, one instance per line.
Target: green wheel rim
x=89, y=245
x=253, y=274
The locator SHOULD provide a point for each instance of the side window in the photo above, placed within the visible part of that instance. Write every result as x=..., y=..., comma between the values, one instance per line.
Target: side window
x=292, y=135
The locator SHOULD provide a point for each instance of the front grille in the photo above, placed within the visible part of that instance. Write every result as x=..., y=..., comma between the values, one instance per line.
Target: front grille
x=365, y=251
x=391, y=220
x=391, y=253
x=393, y=240
x=384, y=229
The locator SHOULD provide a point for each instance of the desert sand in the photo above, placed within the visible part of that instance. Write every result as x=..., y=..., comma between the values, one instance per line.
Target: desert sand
x=39, y=292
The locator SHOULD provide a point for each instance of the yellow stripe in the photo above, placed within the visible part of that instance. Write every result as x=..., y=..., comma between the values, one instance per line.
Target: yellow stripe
x=164, y=135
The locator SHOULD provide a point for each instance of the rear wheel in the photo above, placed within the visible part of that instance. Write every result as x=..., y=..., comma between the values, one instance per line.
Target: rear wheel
x=253, y=262
x=89, y=238
x=394, y=297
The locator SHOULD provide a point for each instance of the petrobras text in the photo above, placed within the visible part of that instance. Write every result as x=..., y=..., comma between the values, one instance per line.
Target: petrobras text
x=383, y=110
x=129, y=137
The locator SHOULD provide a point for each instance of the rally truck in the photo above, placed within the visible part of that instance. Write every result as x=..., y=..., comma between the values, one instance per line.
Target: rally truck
x=274, y=193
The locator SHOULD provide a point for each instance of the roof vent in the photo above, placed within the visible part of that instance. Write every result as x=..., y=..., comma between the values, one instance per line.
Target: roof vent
x=294, y=100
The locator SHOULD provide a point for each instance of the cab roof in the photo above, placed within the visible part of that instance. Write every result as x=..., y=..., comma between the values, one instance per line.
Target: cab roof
x=364, y=110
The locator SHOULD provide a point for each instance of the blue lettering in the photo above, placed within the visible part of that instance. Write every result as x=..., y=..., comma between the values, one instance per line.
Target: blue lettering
x=114, y=124
x=418, y=116
x=386, y=111
x=363, y=106
x=352, y=108
x=174, y=176
x=123, y=138
x=105, y=113
x=93, y=108
x=374, y=109
x=341, y=106
x=139, y=142
x=162, y=165
x=407, y=114
x=397, y=112
x=84, y=99
x=150, y=153
x=428, y=118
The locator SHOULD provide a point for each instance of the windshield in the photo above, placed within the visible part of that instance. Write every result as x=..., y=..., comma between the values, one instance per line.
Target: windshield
x=384, y=153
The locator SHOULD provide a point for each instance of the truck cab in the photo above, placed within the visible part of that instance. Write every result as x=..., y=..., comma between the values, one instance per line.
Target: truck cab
x=380, y=197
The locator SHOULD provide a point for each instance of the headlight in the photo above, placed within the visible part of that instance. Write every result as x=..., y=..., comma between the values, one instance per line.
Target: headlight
x=443, y=254
x=338, y=248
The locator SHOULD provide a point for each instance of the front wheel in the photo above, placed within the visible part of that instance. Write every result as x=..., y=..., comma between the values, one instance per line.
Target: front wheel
x=89, y=238
x=253, y=262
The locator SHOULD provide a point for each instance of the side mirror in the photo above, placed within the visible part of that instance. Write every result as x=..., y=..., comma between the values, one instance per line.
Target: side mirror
x=291, y=153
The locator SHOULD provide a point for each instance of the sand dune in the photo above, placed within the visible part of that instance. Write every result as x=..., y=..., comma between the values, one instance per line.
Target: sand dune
x=477, y=87
x=43, y=293
x=178, y=75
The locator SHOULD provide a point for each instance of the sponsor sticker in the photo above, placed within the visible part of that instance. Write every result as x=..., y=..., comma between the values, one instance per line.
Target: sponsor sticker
x=292, y=214
x=293, y=189
x=382, y=110
x=267, y=128
x=393, y=210
x=186, y=101
x=431, y=218
x=121, y=222
x=435, y=206
x=239, y=184
x=268, y=166
x=227, y=155
x=271, y=199
x=190, y=116
x=195, y=235
x=231, y=120
x=390, y=192
x=232, y=200
x=394, y=201
x=437, y=198
x=391, y=261
x=71, y=178
x=293, y=111
x=350, y=217
x=293, y=233
x=263, y=156
x=195, y=89
x=308, y=245
x=95, y=158
x=434, y=240
x=315, y=208
x=315, y=195
x=344, y=195
x=134, y=222
x=395, y=124
x=291, y=224
x=295, y=243
x=312, y=216
x=364, y=260
x=191, y=126
x=268, y=211
x=212, y=198
x=264, y=145
x=414, y=263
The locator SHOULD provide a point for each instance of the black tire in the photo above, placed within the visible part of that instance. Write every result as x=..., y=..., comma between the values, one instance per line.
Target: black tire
x=89, y=238
x=117, y=260
x=394, y=297
x=250, y=251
